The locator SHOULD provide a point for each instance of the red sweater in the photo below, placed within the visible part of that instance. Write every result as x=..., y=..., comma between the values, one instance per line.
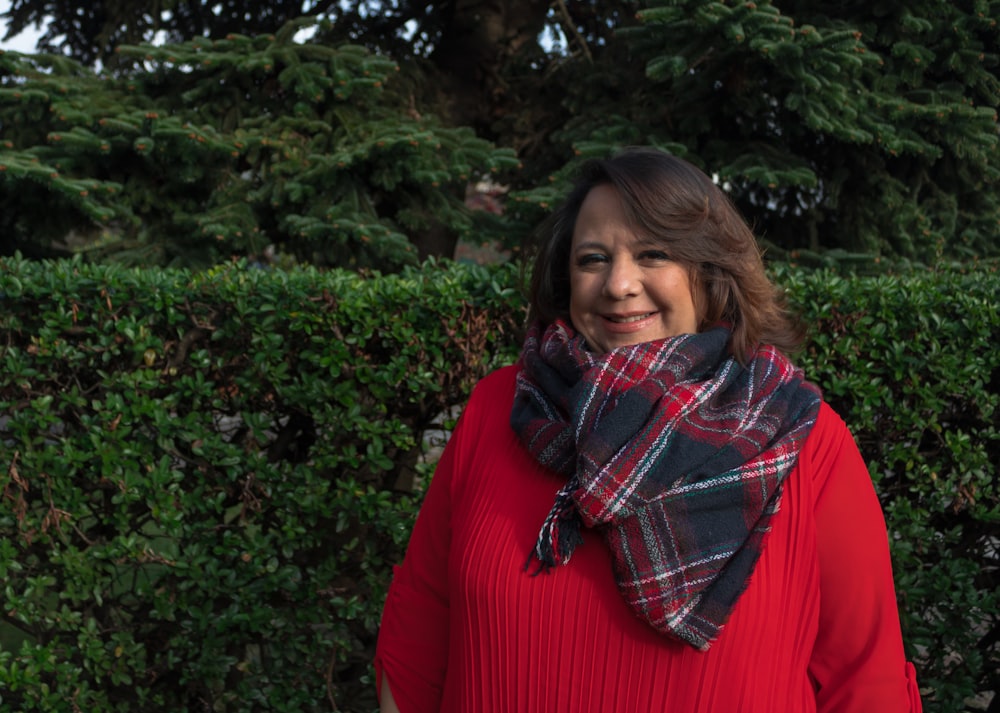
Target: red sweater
x=467, y=629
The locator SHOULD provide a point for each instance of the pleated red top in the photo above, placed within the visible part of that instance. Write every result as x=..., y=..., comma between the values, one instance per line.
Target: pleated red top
x=467, y=629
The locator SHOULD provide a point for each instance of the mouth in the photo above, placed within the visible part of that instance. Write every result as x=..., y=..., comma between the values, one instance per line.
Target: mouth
x=627, y=319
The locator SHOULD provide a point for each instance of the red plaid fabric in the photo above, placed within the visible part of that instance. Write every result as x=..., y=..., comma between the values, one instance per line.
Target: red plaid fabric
x=674, y=451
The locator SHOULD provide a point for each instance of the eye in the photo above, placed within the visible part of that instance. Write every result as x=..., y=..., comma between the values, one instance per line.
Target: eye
x=654, y=256
x=590, y=259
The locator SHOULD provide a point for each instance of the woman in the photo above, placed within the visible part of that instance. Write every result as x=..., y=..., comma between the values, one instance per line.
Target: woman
x=653, y=510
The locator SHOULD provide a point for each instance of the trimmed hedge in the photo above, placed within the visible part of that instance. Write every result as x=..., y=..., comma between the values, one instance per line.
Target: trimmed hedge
x=199, y=507
x=912, y=363
x=207, y=477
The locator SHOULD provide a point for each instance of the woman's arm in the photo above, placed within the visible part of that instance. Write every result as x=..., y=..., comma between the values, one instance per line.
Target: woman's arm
x=412, y=646
x=413, y=638
x=387, y=704
x=858, y=663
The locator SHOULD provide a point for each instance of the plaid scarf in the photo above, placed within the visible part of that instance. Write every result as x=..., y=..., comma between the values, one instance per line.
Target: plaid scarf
x=674, y=451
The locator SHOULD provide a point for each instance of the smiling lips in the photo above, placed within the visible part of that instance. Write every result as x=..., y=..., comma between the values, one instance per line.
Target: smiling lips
x=627, y=323
x=617, y=319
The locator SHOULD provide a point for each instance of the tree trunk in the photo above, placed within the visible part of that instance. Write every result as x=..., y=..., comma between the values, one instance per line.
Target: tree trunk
x=479, y=38
x=436, y=240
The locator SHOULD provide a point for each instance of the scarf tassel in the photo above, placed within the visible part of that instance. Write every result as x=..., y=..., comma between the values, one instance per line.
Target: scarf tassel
x=560, y=533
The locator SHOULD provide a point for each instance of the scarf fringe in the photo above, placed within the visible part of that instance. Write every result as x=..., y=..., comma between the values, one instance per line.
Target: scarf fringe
x=560, y=534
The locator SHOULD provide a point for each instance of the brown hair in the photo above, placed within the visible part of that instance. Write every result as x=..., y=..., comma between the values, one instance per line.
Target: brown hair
x=676, y=206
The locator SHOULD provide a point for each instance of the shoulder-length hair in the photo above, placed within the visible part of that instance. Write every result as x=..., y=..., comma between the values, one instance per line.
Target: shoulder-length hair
x=677, y=207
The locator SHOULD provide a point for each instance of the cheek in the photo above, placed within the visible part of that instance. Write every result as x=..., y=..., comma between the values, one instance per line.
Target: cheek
x=581, y=300
x=575, y=302
x=578, y=289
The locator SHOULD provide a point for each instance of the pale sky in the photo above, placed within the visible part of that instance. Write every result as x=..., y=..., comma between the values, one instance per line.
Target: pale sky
x=24, y=42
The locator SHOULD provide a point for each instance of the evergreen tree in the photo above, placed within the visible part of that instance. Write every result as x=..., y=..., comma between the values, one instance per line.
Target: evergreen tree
x=465, y=45
x=224, y=147
x=871, y=129
x=864, y=126
x=852, y=127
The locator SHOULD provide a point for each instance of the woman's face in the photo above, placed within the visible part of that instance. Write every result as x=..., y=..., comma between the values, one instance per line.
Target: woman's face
x=623, y=290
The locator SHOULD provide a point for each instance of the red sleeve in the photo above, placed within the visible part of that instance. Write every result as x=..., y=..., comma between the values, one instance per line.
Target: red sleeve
x=412, y=649
x=858, y=663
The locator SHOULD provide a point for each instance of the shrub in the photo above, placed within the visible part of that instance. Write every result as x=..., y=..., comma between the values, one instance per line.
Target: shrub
x=911, y=362
x=208, y=476
x=198, y=508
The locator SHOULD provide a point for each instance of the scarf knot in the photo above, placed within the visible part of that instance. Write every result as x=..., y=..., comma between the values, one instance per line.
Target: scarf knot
x=674, y=452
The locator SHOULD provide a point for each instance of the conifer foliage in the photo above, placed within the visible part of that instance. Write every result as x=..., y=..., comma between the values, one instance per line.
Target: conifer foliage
x=215, y=148
x=858, y=130
x=861, y=126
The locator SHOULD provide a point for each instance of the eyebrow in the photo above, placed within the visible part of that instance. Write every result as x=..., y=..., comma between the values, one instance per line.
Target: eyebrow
x=589, y=244
x=640, y=241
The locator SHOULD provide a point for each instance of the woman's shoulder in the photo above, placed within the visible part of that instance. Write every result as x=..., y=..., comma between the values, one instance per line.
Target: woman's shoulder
x=829, y=431
x=483, y=437
x=491, y=399
x=829, y=448
x=495, y=388
x=499, y=380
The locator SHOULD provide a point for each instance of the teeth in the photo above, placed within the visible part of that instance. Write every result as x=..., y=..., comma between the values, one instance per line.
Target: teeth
x=626, y=320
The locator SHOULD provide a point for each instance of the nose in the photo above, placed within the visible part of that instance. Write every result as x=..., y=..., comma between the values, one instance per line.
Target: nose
x=624, y=279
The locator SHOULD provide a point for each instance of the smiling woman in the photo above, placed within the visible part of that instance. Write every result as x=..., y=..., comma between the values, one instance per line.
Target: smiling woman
x=637, y=455
x=624, y=288
x=676, y=215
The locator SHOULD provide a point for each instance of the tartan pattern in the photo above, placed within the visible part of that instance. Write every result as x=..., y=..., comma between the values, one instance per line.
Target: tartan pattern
x=672, y=450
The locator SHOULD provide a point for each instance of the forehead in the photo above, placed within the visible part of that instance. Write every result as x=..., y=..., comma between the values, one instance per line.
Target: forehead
x=601, y=200
x=604, y=216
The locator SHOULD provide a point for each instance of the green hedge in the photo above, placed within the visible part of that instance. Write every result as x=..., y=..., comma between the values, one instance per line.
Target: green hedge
x=206, y=478
x=913, y=365
x=199, y=510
